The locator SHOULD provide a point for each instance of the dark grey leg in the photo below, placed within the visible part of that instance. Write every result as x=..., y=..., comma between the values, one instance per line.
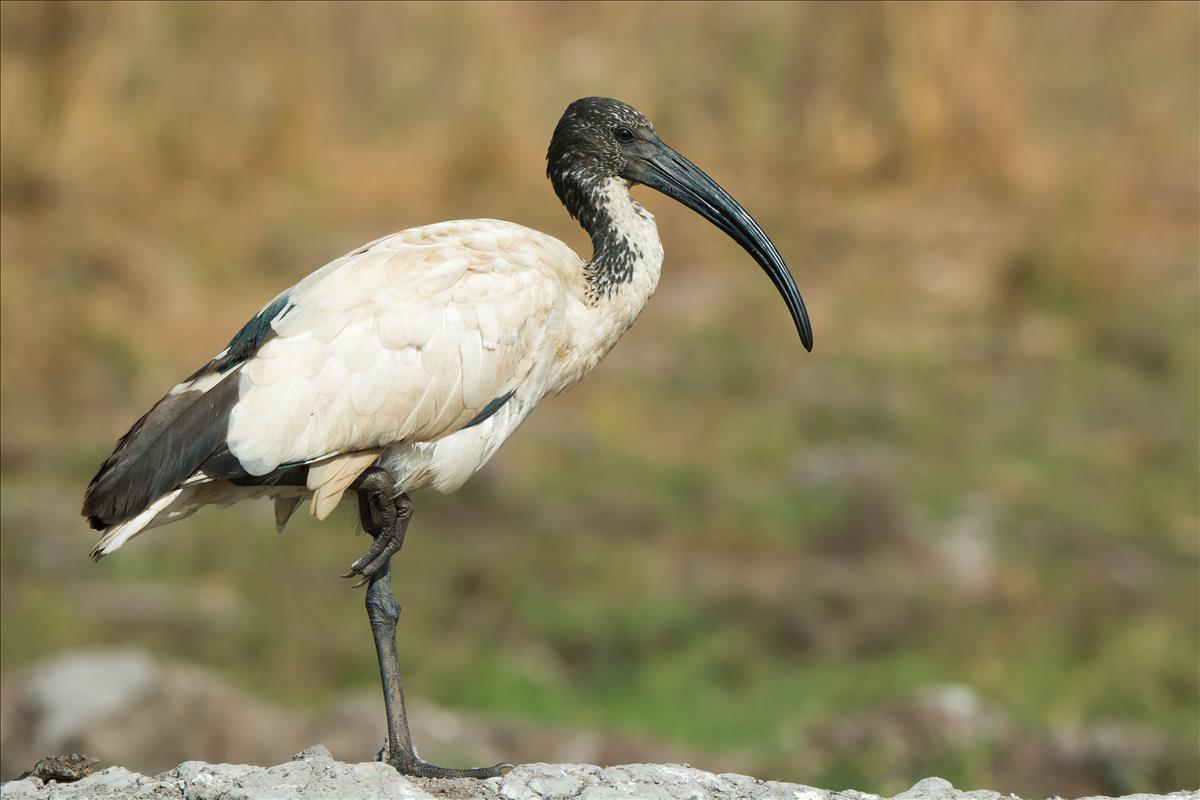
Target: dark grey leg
x=377, y=494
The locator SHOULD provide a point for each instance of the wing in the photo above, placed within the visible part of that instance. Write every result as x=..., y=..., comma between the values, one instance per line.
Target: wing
x=406, y=341
x=408, y=338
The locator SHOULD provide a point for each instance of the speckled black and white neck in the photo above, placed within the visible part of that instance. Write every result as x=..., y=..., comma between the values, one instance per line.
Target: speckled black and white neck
x=623, y=233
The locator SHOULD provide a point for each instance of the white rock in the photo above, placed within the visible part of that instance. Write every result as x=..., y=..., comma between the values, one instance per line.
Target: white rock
x=313, y=775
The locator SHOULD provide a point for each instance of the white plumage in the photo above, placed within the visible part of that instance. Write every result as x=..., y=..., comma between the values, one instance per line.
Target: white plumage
x=389, y=351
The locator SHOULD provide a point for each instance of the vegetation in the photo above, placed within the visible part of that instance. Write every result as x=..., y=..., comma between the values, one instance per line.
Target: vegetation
x=985, y=475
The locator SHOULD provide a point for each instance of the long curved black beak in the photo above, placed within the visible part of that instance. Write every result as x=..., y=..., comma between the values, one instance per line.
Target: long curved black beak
x=664, y=169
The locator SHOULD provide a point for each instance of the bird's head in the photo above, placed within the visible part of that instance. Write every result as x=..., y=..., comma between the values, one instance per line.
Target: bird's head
x=599, y=139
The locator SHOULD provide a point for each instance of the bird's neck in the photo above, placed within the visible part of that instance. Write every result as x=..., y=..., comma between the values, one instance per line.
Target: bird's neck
x=616, y=282
x=626, y=250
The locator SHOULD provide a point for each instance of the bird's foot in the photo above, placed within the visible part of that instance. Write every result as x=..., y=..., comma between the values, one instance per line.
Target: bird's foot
x=423, y=769
x=411, y=764
x=388, y=537
x=385, y=545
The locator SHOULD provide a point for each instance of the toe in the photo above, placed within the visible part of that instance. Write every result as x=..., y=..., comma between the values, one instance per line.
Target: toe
x=377, y=564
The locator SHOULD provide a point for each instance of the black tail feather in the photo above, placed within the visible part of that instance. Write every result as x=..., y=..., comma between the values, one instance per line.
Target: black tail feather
x=162, y=450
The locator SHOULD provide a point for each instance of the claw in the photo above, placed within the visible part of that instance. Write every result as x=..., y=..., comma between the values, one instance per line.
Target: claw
x=390, y=548
x=383, y=548
x=377, y=546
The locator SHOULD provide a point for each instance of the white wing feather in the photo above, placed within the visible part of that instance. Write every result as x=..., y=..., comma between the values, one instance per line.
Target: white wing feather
x=406, y=340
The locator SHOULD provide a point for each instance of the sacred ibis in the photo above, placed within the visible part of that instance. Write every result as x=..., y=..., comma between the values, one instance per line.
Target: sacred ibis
x=407, y=362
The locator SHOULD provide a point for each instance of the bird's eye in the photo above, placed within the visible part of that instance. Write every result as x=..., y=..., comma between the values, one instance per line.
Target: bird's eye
x=623, y=134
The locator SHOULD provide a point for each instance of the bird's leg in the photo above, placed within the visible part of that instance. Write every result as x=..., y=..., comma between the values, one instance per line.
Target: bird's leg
x=377, y=492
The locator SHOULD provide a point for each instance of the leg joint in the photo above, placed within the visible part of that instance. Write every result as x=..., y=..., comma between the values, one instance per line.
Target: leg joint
x=382, y=607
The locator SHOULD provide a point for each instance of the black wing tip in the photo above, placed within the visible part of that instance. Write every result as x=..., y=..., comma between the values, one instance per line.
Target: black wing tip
x=92, y=509
x=160, y=451
x=108, y=499
x=138, y=470
x=100, y=509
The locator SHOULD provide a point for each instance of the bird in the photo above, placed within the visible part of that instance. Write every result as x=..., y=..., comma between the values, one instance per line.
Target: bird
x=405, y=363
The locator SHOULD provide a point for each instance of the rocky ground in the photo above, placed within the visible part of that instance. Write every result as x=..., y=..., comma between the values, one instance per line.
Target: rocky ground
x=314, y=773
x=124, y=707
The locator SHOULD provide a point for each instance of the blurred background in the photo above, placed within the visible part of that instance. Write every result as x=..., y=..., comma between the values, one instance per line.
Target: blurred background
x=961, y=538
